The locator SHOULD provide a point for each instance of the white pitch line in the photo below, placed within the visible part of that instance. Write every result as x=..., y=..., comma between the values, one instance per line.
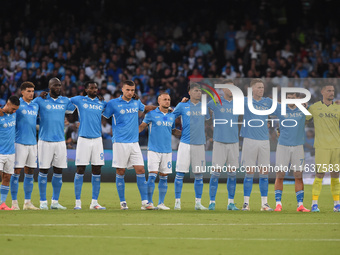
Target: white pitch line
x=166, y=224
x=174, y=238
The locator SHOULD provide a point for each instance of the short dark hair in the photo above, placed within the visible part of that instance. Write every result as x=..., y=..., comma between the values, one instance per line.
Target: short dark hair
x=26, y=84
x=323, y=85
x=129, y=83
x=14, y=100
x=87, y=84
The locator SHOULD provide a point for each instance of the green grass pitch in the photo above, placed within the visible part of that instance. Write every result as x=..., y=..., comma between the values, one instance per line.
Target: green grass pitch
x=171, y=232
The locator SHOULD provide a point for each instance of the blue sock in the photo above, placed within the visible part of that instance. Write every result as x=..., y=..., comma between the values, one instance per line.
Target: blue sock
x=78, y=184
x=142, y=186
x=151, y=186
x=248, y=184
x=28, y=185
x=231, y=185
x=162, y=188
x=178, y=184
x=42, y=182
x=95, y=186
x=263, y=183
x=57, y=182
x=4, y=192
x=213, y=185
x=299, y=196
x=120, y=183
x=198, y=185
x=14, y=185
x=278, y=195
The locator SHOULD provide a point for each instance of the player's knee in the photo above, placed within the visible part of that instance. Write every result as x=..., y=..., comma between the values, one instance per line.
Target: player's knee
x=334, y=174
x=280, y=175
x=6, y=178
x=57, y=170
x=28, y=170
x=96, y=170
x=121, y=171
x=320, y=175
x=80, y=169
x=298, y=175
x=17, y=170
x=44, y=171
x=140, y=170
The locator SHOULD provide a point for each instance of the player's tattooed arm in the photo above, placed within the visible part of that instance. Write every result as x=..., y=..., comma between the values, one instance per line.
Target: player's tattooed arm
x=184, y=100
x=176, y=132
x=142, y=126
x=135, y=96
x=149, y=108
x=43, y=94
x=100, y=97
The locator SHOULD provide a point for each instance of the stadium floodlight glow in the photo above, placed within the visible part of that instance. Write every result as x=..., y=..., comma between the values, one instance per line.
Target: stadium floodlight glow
x=238, y=100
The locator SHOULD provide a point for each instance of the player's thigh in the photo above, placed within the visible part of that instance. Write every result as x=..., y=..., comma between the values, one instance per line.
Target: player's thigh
x=154, y=161
x=335, y=160
x=83, y=151
x=249, y=154
x=233, y=156
x=166, y=163
x=183, y=158
x=264, y=153
x=219, y=155
x=46, y=152
x=197, y=158
x=32, y=158
x=322, y=159
x=97, y=152
x=297, y=158
x=21, y=155
x=136, y=156
x=8, y=166
x=282, y=157
x=120, y=154
x=60, y=155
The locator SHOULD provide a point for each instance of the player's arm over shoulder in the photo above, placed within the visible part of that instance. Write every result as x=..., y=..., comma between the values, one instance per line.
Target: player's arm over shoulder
x=311, y=109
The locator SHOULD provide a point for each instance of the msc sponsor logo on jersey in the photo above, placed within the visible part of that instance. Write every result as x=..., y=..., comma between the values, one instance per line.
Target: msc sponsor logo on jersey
x=131, y=110
x=164, y=123
x=261, y=107
x=328, y=115
x=93, y=106
x=29, y=112
x=55, y=107
x=294, y=115
x=228, y=110
x=9, y=124
x=195, y=113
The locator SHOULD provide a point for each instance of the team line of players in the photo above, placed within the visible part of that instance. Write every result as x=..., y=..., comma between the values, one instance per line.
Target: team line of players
x=19, y=147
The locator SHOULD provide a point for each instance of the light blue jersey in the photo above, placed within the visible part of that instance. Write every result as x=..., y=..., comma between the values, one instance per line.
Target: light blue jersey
x=255, y=130
x=26, y=127
x=160, y=130
x=193, y=122
x=125, y=119
x=90, y=113
x=291, y=136
x=7, y=133
x=224, y=133
x=52, y=117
